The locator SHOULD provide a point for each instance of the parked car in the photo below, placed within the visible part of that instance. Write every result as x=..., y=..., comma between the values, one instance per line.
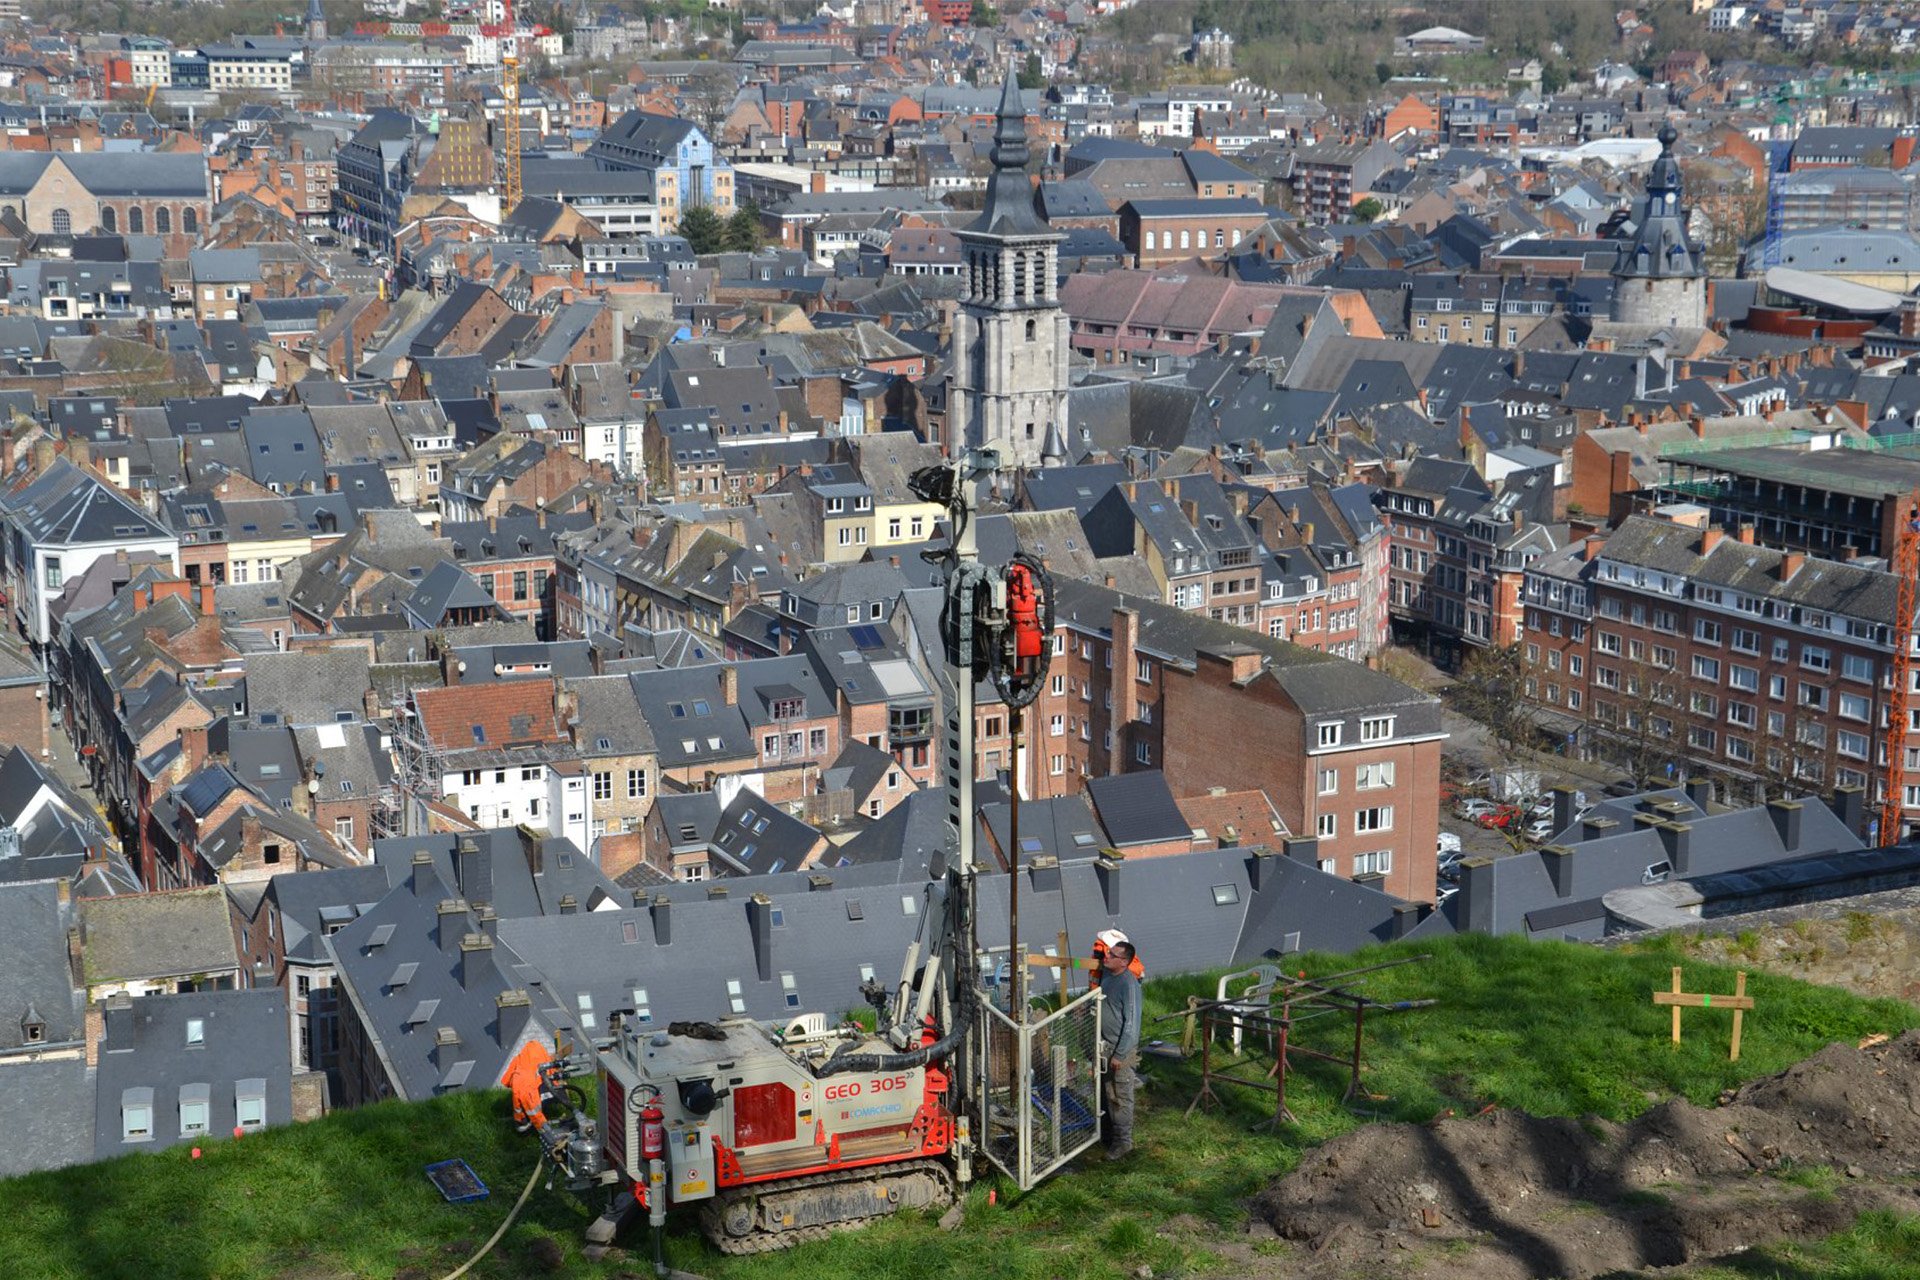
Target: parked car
x=1474, y=810
x=1449, y=843
x=1449, y=867
x=1538, y=830
x=1501, y=816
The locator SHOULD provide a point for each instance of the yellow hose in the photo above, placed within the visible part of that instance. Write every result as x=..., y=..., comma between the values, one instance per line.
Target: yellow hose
x=494, y=1239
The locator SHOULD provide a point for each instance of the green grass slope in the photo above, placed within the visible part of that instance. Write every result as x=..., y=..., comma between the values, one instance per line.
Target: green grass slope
x=1553, y=1028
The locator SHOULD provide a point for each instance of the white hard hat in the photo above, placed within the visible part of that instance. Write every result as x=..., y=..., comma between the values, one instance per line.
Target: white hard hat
x=1108, y=937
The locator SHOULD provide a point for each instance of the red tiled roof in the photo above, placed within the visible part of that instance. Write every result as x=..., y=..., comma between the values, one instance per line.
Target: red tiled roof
x=505, y=714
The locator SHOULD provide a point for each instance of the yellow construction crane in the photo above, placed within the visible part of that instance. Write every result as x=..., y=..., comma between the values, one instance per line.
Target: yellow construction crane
x=510, y=91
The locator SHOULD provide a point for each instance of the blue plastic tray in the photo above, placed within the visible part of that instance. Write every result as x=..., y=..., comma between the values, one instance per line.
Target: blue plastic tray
x=457, y=1182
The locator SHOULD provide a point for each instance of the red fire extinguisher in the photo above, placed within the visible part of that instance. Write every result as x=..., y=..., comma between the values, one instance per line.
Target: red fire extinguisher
x=653, y=1132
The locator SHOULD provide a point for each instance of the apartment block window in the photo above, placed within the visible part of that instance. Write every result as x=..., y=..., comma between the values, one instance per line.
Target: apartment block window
x=343, y=830
x=1330, y=734
x=1746, y=640
x=1371, y=777
x=1379, y=862
x=1142, y=753
x=1745, y=679
x=54, y=579
x=636, y=784
x=1376, y=729
x=1057, y=765
x=1379, y=818
x=1328, y=826
x=1706, y=668
x=1816, y=657
x=1607, y=642
x=1706, y=631
x=1143, y=670
x=1853, y=666
x=1777, y=687
x=1855, y=707
x=1851, y=744
x=1814, y=696
x=1057, y=726
x=603, y=786
x=1741, y=714
x=1329, y=782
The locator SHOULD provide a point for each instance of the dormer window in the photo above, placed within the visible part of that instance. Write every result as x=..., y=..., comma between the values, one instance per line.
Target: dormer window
x=33, y=1028
x=789, y=708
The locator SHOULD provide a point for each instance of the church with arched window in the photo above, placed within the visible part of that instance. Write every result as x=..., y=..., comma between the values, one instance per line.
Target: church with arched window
x=111, y=192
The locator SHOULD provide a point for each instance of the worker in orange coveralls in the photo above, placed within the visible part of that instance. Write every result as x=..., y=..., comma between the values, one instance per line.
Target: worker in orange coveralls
x=523, y=1081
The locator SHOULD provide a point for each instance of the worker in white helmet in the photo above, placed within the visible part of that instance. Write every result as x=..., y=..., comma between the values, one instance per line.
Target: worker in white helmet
x=1103, y=942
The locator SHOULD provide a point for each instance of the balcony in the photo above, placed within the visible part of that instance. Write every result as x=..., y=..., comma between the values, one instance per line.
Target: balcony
x=909, y=726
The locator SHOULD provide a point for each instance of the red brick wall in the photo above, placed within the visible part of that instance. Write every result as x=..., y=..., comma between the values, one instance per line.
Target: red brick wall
x=23, y=718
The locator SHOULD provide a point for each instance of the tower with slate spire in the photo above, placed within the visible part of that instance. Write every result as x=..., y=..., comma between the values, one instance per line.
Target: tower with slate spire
x=316, y=21
x=1658, y=276
x=1007, y=386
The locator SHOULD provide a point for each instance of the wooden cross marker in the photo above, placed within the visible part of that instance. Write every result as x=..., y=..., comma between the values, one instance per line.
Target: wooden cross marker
x=1739, y=1002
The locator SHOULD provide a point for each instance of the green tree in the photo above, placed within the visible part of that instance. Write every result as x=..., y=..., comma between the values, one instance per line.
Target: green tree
x=704, y=229
x=1367, y=210
x=984, y=14
x=1553, y=78
x=1031, y=77
x=743, y=229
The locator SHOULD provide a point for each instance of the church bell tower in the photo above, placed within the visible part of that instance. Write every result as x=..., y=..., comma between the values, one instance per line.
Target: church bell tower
x=1008, y=378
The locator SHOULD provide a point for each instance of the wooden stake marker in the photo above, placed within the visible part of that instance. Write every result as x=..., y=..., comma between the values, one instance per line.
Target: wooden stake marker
x=1739, y=1002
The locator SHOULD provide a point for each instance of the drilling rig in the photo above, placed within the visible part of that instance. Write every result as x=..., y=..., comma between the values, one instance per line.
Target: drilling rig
x=781, y=1132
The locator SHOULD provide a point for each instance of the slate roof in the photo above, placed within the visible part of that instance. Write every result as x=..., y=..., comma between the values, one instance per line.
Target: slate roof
x=1137, y=808
x=314, y=686
x=49, y=1120
x=147, y=1051
x=34, y=978
x=67, y=506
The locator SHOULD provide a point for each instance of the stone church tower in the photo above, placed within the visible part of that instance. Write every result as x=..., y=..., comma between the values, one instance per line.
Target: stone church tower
x=1008, y=383
x=1658, y=277
x=316, y=22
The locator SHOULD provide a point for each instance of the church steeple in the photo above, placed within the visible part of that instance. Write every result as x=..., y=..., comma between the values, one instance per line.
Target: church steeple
x=1659, y=277
x=1009, y=205
x=316, y=21
x=1010, y=356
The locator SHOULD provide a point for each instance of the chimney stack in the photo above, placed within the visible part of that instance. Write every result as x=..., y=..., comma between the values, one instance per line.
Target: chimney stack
x=1850, y=806
x=450, y=924
x=662, y=913
x=420, y=876
x=1700, y=791
x=512, y=1009
x=1677, y=838
x=1476, y=895
x=473, y=869
x=1786, y=822
x=1563, y=807
x=760, y=925
x=476, y=959
x=1107, y=869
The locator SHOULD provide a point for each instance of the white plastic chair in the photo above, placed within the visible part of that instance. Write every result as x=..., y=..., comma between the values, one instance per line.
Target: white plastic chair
x=1253, y=997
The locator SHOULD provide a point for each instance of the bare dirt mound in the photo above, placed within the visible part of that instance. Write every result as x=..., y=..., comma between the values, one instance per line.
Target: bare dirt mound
x=1507, y=1194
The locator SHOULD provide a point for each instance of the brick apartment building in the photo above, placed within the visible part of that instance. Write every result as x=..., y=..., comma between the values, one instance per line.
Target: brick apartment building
x=1457, y=550
x=1346, y=755
x=1767, y=669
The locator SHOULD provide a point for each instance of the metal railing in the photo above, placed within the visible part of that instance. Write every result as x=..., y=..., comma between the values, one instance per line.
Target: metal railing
x=1043, y=1087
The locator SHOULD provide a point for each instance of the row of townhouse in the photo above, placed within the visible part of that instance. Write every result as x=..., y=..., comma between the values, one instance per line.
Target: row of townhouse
x=1686, y=648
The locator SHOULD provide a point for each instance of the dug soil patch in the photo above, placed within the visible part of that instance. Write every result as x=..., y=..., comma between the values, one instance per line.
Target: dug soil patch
x=1506, y=1194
